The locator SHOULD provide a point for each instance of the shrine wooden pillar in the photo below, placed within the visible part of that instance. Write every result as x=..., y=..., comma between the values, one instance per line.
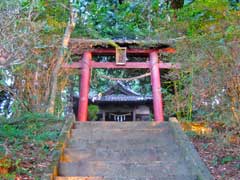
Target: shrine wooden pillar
x=84, y=87
x=156, y=87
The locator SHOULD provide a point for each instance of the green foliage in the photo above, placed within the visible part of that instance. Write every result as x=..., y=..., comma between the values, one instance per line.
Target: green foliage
x=54, y=13
x=227, y=159
x=99, y=85
x=92, y=112
x=235, y=4
x=207, y=18
x=238, y=164
x=34, y=131
x=32, y=33
x=6, y=164
x=106, y=19
x=8, y=176
x=191, y=134
x=151, y=19
x=30, y=127
x=223, y=160
x=215, y=161
x=37, y=116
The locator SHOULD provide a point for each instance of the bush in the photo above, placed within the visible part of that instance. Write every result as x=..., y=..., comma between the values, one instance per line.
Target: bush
x=92, y=112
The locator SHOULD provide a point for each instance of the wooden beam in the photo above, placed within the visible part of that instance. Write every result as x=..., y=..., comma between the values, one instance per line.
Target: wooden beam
x=128, y=65
x=109, y=52
x=139, y=52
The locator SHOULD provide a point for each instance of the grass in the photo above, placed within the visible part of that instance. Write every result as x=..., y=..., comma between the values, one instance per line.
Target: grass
x=26, y=145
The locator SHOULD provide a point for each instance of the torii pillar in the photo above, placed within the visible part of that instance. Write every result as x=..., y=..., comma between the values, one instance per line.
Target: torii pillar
x=156, y=87
x=84, y=87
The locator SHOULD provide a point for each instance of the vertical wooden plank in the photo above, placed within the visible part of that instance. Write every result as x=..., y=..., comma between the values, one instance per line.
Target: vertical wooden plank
x=134, y=114
x=104, y=115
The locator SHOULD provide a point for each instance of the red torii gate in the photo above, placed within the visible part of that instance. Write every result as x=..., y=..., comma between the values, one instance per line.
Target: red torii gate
x=154, y=64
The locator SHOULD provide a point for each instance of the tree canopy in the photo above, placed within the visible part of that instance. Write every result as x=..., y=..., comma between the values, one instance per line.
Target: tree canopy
x=206, y=36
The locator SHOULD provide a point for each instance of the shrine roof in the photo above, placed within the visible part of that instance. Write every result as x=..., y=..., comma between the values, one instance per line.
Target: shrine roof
x=120, y=93
x=121, y=99
x=121, y=88
x=78, y=46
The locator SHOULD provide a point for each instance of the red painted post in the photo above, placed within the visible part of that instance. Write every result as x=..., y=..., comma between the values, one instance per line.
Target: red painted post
x=156, y=88
x=84, y=87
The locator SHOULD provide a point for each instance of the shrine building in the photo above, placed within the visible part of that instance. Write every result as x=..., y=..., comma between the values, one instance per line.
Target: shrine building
x=120, y=103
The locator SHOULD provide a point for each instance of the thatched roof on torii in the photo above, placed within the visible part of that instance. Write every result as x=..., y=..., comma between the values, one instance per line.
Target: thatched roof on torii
x=78, y=46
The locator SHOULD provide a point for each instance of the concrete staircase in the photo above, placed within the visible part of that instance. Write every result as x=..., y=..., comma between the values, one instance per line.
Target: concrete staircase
x=123, y=151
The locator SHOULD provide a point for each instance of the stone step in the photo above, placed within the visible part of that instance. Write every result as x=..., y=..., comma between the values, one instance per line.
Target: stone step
x=120, y=133
x=124, y=151
x=78, y=178
x=118, y=125
x=117, y=170
x=120, y=143
x=169, y=177
x=146, y=154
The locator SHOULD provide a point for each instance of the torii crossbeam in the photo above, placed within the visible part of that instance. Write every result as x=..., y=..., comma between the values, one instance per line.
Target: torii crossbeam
x=154, y=64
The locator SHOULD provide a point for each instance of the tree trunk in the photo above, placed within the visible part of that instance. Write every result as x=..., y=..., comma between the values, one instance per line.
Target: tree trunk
x=120, y=1
x=177, y=4
x=60, y=58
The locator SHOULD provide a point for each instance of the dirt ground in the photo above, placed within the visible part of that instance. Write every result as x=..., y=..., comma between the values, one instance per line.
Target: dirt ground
x=222, y=159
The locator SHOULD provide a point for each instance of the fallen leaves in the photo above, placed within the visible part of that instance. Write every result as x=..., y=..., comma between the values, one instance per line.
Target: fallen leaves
x=197, y=127
x=223, y=160
x=30, y=146
x=206, y=128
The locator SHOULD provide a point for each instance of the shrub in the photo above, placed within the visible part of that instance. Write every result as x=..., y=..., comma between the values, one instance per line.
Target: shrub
x=92, y=112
